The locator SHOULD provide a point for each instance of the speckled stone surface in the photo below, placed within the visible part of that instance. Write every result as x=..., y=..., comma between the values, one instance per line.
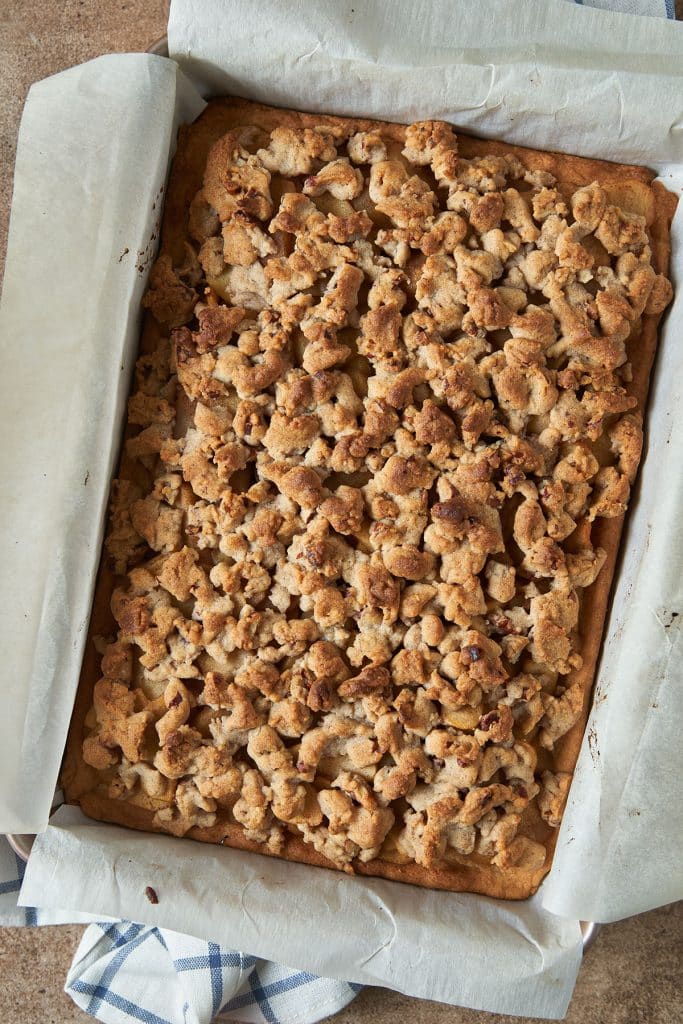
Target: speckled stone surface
x=632, y=975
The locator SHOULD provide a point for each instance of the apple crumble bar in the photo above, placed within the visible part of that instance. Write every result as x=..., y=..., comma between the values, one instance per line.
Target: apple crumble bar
x=386, y=420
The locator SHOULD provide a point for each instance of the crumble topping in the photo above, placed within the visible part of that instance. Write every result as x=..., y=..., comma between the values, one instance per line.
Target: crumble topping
x=388, y=403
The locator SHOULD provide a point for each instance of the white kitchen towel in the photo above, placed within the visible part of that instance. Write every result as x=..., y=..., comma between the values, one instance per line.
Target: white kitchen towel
x=124, y=971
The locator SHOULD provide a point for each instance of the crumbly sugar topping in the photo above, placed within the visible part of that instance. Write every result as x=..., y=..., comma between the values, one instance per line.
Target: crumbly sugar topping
x=387, y=407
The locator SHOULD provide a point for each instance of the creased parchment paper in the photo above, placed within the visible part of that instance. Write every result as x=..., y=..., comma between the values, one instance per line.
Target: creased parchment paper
x=590, y=83
x=91, y=165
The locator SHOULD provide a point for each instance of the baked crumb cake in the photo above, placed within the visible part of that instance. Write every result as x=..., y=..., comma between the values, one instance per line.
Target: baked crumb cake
x=386, y=419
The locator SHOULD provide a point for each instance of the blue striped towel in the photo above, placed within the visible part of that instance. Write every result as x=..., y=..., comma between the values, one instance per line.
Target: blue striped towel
x=123, y=972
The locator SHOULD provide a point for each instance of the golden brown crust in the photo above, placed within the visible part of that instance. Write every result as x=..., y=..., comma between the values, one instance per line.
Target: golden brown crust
x=566, y=217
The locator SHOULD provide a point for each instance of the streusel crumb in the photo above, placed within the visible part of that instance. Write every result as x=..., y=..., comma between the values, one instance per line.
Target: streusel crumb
x=389, y=400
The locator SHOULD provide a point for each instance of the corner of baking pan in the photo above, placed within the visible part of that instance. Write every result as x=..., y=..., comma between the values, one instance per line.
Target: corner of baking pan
x=589, y=931
x=21, y=843
x=160, y=47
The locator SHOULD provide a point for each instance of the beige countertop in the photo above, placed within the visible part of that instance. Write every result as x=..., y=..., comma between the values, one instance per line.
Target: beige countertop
x=632, y=973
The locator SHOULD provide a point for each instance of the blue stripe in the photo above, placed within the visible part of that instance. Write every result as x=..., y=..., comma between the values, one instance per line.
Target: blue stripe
x=138, y=936
x=109, y=931
x=191, y=963
x=261, y=995
x=261, y=998
x=105, y=995
x=10, y=886
x=197, y=963
x=216, y=977
x=670, y=10
x=118, y=938
x=31, y=916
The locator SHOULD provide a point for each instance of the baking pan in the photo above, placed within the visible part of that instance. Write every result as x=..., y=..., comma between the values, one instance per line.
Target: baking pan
x=22, y=843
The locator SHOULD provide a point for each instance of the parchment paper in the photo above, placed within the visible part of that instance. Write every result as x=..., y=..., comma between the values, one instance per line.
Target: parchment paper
x=618, y=851
x=83, y=229
x=616, y=93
